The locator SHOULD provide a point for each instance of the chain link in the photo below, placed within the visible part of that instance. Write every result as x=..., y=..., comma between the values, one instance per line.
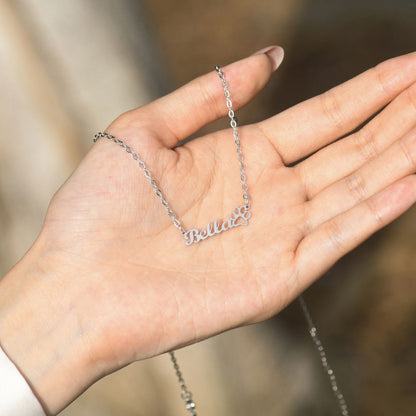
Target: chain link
x=234, y=125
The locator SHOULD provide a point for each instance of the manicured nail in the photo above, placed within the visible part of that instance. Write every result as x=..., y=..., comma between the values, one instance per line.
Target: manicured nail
x=274, y=53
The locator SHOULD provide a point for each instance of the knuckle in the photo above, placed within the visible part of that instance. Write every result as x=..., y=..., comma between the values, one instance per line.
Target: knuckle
x=365, y=144
x=383, y=75
x=331, y=107
x=335, y=235
x=408, y=150
x=391, y=73
x=356, y=186
x=411, y=96
x=376, y=212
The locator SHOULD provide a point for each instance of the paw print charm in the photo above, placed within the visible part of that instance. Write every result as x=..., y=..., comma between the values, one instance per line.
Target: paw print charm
x=240, y=216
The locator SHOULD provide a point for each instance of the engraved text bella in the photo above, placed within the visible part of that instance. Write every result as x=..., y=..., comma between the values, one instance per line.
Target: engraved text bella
x=238, y=216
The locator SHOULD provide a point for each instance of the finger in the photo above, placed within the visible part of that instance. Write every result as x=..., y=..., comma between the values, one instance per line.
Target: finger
x=396, y=162
x=345, y=156
x=186, y=110
x=309, y=126
x=319, y=250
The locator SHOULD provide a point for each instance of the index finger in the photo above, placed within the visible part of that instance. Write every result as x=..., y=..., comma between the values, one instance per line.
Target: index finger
x=311, y=125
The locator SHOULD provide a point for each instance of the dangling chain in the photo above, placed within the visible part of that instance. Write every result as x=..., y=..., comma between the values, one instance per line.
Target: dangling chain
x=187, y=395
x=325, y=364
x=238, y=216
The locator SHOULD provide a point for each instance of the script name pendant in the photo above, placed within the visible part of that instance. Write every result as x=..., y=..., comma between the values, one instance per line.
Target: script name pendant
x=238, y=216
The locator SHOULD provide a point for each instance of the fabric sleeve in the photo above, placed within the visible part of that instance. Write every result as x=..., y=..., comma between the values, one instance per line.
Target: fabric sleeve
x=16, y=396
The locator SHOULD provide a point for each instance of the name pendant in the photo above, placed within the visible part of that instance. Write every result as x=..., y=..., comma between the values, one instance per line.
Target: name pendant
x=238, y=216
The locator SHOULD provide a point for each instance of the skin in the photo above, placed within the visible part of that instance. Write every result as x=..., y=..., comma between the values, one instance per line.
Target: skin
x=109, y=280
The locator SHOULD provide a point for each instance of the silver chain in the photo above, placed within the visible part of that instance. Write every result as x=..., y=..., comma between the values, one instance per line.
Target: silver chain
x=185, y=393
x=234, y=125
x=147, y=174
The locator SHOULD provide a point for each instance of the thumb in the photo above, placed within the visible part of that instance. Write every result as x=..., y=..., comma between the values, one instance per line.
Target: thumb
x=190, y=107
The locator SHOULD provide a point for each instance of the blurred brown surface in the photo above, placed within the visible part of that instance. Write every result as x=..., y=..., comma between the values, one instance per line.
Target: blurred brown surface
x=69, y=67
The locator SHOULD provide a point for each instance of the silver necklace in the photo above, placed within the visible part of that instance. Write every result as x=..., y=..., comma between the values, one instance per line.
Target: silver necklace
x=238, y=216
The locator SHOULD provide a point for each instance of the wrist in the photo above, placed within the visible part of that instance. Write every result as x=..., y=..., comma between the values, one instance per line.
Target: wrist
x=40, y=332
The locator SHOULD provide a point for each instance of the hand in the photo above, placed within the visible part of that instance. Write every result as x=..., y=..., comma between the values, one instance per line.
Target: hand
x=120, y=269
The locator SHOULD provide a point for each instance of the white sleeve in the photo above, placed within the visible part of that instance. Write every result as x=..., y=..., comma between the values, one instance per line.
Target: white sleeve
x=16, y=397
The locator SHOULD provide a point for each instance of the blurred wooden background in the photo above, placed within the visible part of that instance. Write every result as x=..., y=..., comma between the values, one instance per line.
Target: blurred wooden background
x=69, y=67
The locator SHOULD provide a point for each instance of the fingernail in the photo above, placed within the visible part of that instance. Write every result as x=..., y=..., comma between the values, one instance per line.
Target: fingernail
x=274, y=53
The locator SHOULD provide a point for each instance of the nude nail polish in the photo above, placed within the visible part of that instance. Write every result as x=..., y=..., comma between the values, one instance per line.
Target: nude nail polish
x=274, y=53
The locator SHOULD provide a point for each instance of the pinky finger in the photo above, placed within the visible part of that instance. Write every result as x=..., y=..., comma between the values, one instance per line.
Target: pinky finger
x=322, y=248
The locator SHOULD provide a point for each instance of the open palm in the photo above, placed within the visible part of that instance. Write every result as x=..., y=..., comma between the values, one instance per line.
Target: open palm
x=141, y=291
